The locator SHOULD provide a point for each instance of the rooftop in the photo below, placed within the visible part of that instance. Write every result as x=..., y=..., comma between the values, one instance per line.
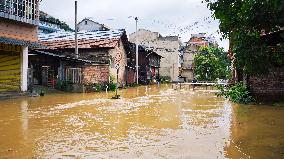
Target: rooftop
x=95, y=39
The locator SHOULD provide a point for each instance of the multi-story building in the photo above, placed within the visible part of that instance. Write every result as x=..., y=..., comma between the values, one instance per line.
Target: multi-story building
x=190, y=49
x=168, y=47
x=18, y=32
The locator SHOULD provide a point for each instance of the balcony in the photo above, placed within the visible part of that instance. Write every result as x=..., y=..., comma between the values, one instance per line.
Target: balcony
x=25, y=11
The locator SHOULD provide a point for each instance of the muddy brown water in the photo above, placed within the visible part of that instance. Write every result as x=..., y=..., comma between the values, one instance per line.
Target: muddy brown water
x=148, y=122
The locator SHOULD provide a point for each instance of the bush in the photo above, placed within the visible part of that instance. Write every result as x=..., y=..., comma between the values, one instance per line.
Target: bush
x=237, y=93
x=95, y=87
x=165, y=79
x=62, y=85
x=133, y=85
x=112, y=87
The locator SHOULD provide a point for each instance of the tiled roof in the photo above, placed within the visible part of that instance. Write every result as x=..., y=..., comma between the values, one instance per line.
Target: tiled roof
x=96, y=39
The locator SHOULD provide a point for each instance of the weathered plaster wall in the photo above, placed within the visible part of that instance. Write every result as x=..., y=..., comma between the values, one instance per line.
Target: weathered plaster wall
x=122, y=64
x=167, y=47
x=188, y=59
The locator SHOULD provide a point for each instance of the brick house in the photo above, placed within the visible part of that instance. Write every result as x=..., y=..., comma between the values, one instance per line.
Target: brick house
x=18, y=32
x=168, y=47
x=101, y=47
x=64, y=68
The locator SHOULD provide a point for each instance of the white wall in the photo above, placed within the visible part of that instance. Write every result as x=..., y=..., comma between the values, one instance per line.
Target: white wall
x=91, y=26
x=24, y=69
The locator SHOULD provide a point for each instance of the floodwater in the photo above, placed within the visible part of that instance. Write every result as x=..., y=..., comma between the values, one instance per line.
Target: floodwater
x=148, y=122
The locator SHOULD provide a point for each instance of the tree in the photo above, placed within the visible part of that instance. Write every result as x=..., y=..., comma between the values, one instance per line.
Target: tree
x=210, y=64
x=243, y=22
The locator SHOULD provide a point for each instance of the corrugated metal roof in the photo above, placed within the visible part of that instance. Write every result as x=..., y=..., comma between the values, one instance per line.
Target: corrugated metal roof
x=20, y=42
x=82, y=35
x=64, y=57
x=96, y=39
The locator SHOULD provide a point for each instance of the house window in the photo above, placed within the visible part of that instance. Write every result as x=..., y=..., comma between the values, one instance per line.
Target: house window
x=86, y=22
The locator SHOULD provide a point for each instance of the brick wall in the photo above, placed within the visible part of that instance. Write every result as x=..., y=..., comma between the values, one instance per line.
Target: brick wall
x=96, y=74
x=268, y=87
x=18, y=30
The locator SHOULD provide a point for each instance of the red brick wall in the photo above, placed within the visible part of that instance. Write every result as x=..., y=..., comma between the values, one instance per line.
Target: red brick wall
x=268, y=87
x=18, y=30
x=95, y=74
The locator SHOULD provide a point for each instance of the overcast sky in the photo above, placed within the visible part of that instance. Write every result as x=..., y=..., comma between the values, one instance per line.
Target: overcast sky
x=169, y=17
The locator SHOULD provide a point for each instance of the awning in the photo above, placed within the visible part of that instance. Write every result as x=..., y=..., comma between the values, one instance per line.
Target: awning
x=20, y=42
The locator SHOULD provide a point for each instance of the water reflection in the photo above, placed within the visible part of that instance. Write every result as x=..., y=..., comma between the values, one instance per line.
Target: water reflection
x=25, y=118
x=148, y=122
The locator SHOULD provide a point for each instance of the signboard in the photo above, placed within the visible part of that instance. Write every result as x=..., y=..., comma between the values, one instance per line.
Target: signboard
x=116, y=66
x=10, y=47
x=117, y=60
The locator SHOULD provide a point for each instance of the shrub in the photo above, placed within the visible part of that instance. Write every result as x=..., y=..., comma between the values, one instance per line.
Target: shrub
x=133, y=85
x=62, y=85
x=237, y=93
x=111, y=86
x=165, y=79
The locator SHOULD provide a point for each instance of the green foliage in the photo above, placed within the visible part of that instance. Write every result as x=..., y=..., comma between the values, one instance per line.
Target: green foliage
x=95, y=87
x=165, y=79
x=243, y=21
x=237, y=93
x=210, y=64
x=133, y=85
x=90, y=87
x=112, y=87
x=46, y=18
x=62, y=85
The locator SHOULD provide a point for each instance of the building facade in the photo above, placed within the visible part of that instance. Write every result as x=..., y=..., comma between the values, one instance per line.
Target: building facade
x=103, y=47
x=148, y=62
x=90, y=25
x=168, y=47
x=18, y=32
x=189, y=50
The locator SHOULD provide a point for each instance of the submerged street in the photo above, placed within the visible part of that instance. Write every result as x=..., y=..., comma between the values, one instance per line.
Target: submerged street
x=148, y=122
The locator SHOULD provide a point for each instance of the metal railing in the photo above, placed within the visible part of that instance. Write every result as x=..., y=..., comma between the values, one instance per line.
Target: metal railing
x=25, y=11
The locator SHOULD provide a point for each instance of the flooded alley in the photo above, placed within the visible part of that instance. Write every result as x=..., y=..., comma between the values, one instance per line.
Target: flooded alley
x=148, y=122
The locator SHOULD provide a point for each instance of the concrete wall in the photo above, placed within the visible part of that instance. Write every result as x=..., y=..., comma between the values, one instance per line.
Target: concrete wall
x=167, y=47
x=188, y=60
x=268, y=87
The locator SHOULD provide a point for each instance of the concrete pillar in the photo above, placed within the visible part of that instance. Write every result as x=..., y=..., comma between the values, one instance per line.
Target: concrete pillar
x=24, y=69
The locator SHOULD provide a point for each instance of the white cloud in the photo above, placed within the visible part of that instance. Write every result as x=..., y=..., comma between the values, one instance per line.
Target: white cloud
x=169, y=17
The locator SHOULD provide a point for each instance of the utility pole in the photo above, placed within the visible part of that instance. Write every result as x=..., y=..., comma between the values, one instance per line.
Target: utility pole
x=137, y=45
x=76, y=32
